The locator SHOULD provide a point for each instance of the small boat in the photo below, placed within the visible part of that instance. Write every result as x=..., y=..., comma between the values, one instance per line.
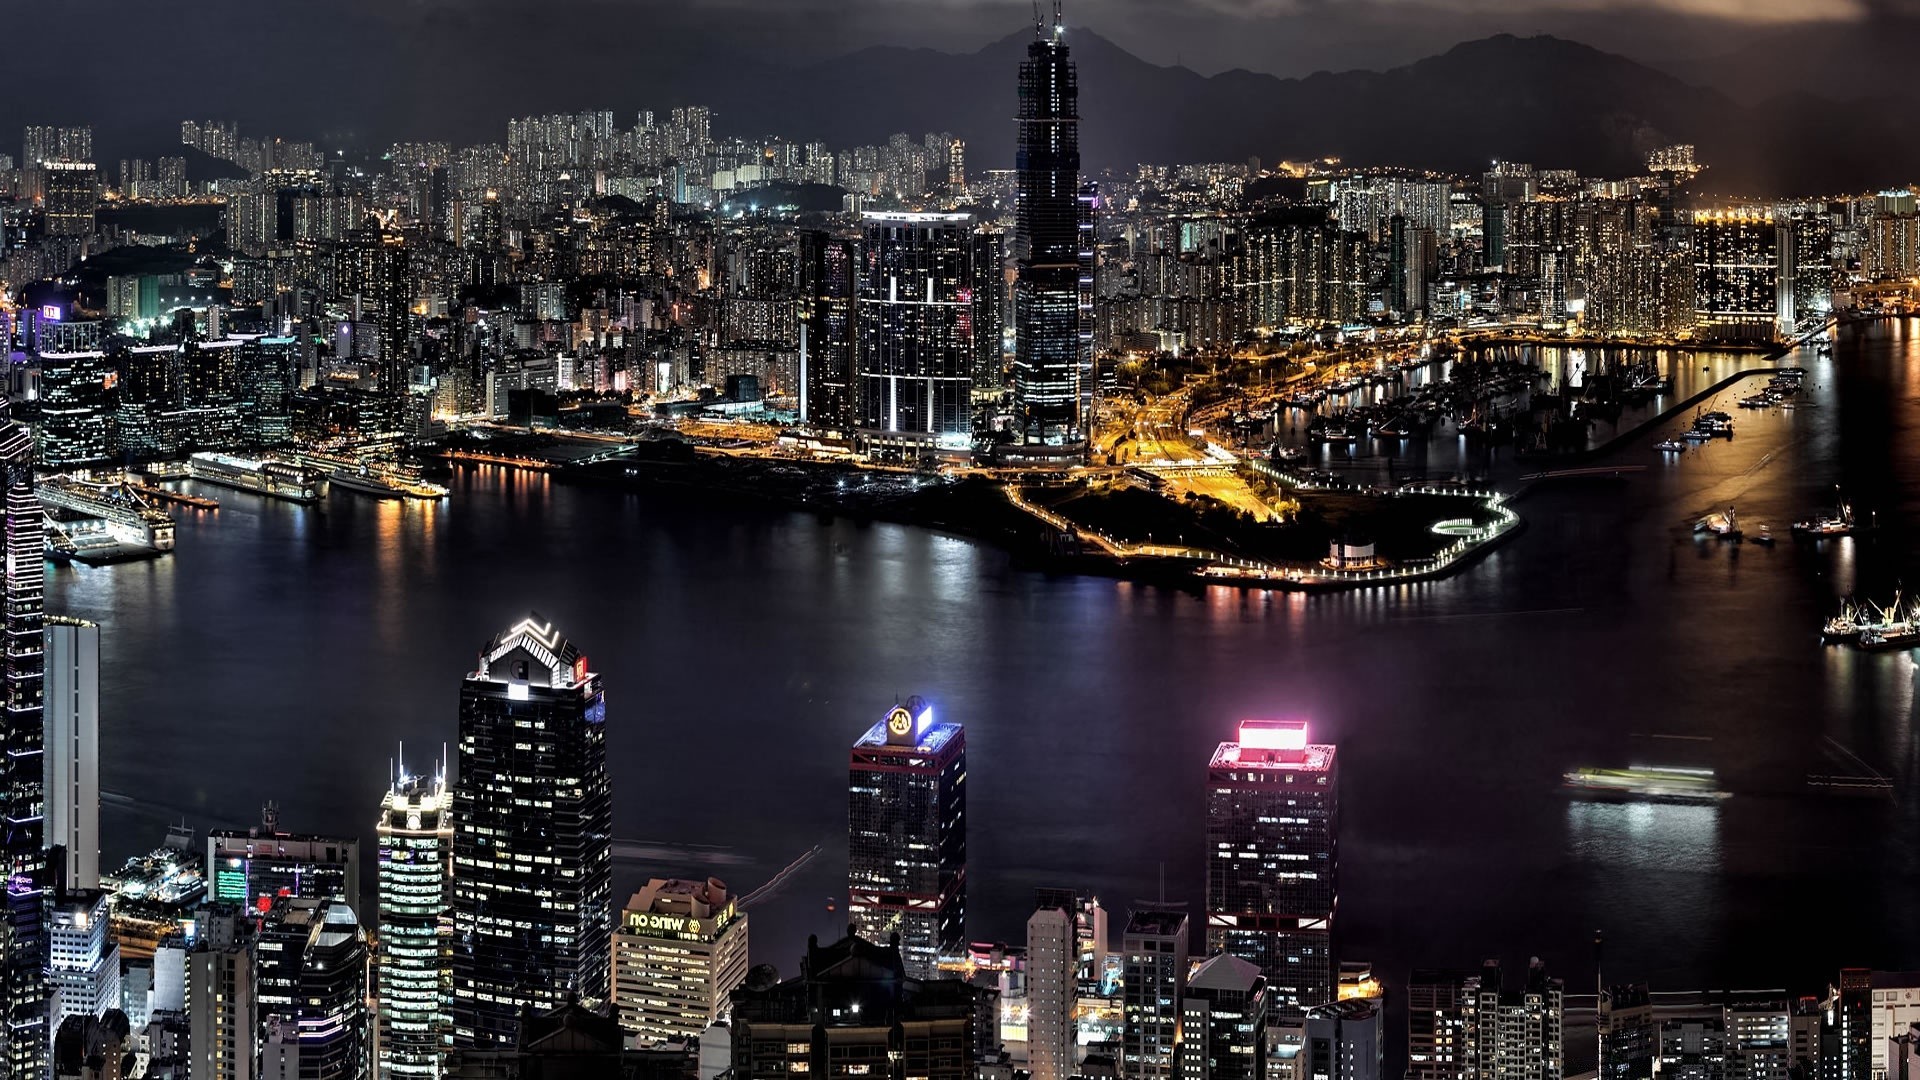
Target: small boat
x=1669, y=446
x=1762, y=536
x=1725, y=526
x=1838, y=522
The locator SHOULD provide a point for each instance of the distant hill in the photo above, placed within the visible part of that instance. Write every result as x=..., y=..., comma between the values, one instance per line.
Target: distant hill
x=1553, y=102
x=1822, y=108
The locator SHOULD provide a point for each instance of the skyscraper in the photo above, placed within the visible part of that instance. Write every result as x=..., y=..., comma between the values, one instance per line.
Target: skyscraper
x=914, y=351
x=829, y=269
x=72, y=768
x=23, y=940
x=1272, y=858
x=1046, y=247
x=679, y=953
x=413, y=969
x=907, y=835
x=310, y=978
x=1053, y=980
x=533, y=830
x=1154, y=975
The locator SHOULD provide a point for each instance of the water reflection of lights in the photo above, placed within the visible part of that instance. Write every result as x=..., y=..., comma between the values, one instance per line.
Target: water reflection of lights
x=1654, y=836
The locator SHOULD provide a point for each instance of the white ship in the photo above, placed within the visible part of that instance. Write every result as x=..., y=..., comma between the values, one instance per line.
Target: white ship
x=276, y=479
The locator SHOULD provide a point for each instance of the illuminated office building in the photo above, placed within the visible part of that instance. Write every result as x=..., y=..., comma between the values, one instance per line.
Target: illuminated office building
x=907, y=835
x=1272, y=858
x=532, y=841
x=261, y=864
x=413, y=967
x=678, y=954
x=1046, y=246
x=310, y=982
x=914, y=351
x=74, y=430
x=83, y=961
x=23, y=940
x=72, y=769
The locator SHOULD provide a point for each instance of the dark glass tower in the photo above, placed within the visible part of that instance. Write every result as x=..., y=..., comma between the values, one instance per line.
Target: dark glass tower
x=532, y=841
x=1046, y=243
x=1272, y=826
x=23, y=949
x=829, y=266
x=907, y=835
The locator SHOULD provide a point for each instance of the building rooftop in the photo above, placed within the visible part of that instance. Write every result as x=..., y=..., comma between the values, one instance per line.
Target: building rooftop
x=1225, y=972
x=1273, y=744
x=928, y=735
x=1157, y=922
x=553, y=661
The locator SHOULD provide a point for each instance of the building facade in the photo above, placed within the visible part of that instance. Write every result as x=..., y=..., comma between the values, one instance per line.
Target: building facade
x=679, y=952
x=533, y=827
x=23, y=938
x=413, y=969
x=72, y=771
x=914, y=347
x=1053, y=981
x=1046, y=246
x=1272, y=858
x=1154, y=966
x=907, y=835
x=854, y=1012
x=1223, y=1022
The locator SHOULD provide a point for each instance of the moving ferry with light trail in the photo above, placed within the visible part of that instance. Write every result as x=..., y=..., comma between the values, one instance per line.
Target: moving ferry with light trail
x=1643, y=783
x=276, y=479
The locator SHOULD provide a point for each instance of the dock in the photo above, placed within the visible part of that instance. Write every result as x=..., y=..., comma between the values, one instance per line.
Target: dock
x=181, y=498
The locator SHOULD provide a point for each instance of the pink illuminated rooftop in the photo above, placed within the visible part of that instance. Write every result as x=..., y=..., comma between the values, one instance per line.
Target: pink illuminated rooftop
x=1273, y=744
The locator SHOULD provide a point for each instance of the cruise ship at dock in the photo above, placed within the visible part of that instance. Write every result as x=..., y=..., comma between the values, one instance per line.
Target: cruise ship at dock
x=277, y=479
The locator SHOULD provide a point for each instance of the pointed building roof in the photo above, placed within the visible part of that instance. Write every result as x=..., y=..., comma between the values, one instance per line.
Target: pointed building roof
x=542, y=644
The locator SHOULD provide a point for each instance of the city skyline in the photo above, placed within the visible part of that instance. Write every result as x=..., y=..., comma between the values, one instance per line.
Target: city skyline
x=1368, y=438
